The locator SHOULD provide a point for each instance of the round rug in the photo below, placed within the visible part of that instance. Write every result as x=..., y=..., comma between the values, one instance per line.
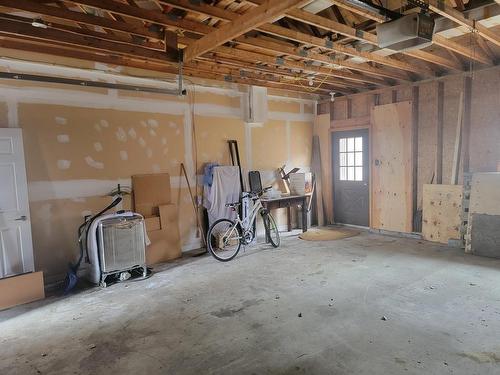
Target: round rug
x=328, y=234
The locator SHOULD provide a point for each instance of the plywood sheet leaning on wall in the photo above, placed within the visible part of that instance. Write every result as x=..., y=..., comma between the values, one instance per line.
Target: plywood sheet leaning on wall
x=484, y=215
x=322, y=130
x=20, y=289
x=392, y=145
x=442, y=210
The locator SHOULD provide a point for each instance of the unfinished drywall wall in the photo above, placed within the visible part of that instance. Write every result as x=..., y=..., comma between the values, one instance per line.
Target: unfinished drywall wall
x=484, y=128
x=80, y=142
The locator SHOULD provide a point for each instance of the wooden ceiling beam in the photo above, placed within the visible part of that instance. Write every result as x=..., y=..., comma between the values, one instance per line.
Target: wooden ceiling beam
x=148, y=15
x=441, y=8
x=435, y=59
x=300, y=37
x=88, y=31
x=327, y=24
x=314, y=56
x=79, y=17
x=338, y=48
x=297, y=65
x=58, y=36
x=269, y=11
x=461, y=49
x=233, y=74
x=346, y=86
x=358, y=9
x=438, y=40
x=42, y=48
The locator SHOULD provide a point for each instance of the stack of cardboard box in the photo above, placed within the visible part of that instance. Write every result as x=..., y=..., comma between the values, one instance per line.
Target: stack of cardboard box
x=152, y=200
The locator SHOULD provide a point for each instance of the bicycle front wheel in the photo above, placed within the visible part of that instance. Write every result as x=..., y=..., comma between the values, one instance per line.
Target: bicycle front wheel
x=224, y=240
x=271, y=228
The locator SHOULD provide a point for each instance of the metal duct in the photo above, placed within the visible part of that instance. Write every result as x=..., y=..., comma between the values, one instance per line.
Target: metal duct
x=413, y=31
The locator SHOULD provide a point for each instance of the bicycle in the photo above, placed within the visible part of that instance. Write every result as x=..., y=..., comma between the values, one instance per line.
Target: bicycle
x=225, y=236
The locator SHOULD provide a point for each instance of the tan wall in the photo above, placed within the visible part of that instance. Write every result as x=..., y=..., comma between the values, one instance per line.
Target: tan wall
x=485, y=122
x=80, y=142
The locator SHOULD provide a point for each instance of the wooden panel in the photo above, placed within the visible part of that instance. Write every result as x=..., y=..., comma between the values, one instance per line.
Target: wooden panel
x=362, y=122
x=21, y=289
x=484, y=201
x=392, y=168
x=485, y=194
x=442, y=210
x=322, y=130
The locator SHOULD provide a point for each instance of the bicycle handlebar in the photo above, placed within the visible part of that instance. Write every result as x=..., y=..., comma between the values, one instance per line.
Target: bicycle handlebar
x=254, y=195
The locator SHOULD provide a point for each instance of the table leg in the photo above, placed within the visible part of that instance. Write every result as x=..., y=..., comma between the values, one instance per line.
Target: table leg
x=304, y=215
x=289, y=218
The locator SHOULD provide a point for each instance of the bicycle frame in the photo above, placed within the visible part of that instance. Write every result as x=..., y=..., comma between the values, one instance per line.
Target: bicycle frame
x=247, y=223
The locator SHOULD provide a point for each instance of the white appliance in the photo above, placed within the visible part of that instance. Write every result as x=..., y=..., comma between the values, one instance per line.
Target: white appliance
x=255, y=109
x=116, y=244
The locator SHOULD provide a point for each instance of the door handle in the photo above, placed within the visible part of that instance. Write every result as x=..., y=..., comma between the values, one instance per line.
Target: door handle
x=22, y=218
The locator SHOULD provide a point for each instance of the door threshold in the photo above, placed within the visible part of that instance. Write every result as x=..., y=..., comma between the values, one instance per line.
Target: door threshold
x=353, y=226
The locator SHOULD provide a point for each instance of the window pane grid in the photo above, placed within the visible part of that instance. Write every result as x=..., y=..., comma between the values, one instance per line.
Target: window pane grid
x=351, y=159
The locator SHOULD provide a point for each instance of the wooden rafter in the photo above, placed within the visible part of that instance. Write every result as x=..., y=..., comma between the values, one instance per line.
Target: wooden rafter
x=319, y=42
x=268, y=11
x=437, y=39
x=444, y=10
x=148, y=65
x=57, y=36
x=83, y=18
x=308, y=39
x=286, y=53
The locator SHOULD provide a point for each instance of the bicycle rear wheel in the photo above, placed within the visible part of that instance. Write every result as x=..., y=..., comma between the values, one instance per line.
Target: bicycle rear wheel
x=272, y=233
x=224, y=240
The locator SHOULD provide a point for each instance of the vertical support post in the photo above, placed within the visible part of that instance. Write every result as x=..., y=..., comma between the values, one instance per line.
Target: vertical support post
x=439, y=133
x=467, y=123
x=414, y=123
x=394, y=96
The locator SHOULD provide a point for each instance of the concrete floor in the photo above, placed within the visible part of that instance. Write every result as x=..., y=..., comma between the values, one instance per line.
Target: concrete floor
x=200, y=316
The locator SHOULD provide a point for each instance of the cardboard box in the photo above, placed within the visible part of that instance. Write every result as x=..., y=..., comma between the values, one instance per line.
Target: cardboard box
x=20, y=289
x=163, y=232
x=152, y=200
x=152, y=223
x=150, y=191
x=301, y=183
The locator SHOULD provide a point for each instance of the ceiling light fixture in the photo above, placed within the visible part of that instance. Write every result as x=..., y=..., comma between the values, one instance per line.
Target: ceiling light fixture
x=39, y=23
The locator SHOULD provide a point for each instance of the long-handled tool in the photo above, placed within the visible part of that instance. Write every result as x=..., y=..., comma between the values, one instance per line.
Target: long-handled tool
x=195, y=207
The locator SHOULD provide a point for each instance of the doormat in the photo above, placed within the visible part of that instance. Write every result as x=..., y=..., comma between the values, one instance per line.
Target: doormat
x=328, y=234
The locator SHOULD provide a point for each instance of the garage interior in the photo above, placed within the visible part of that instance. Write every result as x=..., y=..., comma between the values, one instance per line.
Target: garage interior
x=363, y=136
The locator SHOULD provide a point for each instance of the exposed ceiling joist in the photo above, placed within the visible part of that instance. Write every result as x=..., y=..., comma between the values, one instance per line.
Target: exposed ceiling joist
x=267, y=12
x=339, y=52
x=444, y=10
x=87, y=19
x=58, y=36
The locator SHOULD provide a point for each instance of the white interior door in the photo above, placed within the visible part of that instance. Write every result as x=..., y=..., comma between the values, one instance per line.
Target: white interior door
x=16, y=247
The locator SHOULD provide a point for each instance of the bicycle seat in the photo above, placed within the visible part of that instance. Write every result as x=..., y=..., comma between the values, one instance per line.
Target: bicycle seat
x=233, y=205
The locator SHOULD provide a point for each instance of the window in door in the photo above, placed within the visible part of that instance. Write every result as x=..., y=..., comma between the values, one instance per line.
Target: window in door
x=351, y=159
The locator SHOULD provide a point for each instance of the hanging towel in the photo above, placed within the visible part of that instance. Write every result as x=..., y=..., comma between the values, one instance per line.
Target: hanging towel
x=225, y=189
